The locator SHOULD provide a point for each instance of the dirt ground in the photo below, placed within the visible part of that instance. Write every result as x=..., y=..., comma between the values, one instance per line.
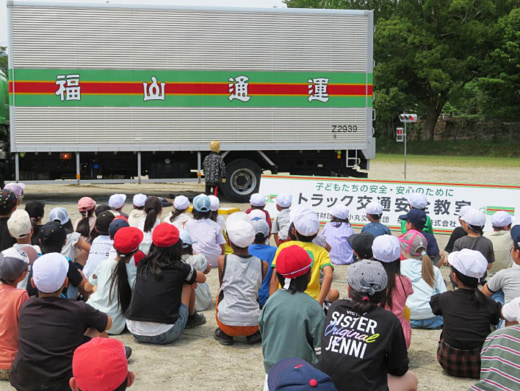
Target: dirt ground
x=197, y=361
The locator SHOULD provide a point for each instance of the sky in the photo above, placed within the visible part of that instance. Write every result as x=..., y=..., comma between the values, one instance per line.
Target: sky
x=213, y=3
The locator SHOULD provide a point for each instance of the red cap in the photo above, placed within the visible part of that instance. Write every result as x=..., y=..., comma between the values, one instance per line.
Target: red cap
x=165, y=235
x=100, y=365
x=128, y=239
x=293, y=261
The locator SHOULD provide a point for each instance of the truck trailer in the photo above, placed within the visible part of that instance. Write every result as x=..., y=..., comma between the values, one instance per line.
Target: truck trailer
x=105, y=90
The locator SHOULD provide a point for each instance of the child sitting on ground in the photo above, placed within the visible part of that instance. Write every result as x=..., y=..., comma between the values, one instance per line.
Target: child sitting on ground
x=240, y=277
x=282, y=221
x=137, y=214
x=257, y=201
x=51, y=327
x=460, y=345
x=163, y=302
x=426, y=280
x=387, y=250
x=261, y=249
x=203, y=296
x=36, y=210
x=336, y=233
x=291, y=323
x=115, y=278
x=374, y=211
x=116, y=202
x=13, y=269
x=473, y=223
x=101, y=245
x=100, y=364
x=362, y=345
x=178, y=215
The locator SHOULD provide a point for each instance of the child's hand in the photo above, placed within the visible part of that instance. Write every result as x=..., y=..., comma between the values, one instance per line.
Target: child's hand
x=208, y=269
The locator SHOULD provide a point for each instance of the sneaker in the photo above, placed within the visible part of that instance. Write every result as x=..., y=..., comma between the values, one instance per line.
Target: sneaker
x=255, y=338
x=223, y=338
x=128, y=352
x=195, y=320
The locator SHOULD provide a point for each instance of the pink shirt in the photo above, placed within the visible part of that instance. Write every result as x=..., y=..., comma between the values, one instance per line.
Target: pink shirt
x=402, y=289
x=11, y=299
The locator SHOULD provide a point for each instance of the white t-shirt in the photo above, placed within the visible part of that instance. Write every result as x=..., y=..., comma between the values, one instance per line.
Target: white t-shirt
x=207, y=237
x=147, y=238
x=99, y=251
x=179, y=222
x=101, y=298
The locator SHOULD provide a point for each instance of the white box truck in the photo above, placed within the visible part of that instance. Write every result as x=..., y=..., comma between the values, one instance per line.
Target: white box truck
x=110, y=90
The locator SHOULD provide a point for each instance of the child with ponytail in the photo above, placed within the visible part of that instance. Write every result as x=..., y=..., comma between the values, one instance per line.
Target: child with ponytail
x=426, y=280
x=363, y=346
x=153, y=210
x=460, y=345
x=115, y=278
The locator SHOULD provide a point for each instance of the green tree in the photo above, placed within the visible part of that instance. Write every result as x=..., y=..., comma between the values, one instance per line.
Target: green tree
x=3, y=59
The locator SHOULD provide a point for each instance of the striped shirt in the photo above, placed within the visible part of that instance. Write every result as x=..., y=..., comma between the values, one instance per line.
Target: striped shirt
x=500, y=357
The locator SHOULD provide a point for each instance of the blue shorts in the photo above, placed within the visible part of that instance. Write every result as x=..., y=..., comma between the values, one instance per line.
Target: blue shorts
x=172, y=334
x=433, y=323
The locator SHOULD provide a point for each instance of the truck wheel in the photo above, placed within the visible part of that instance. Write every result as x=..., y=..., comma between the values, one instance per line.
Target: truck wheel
x=242, y=180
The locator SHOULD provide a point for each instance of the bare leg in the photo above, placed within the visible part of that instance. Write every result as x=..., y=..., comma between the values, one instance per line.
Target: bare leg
x=407, y=382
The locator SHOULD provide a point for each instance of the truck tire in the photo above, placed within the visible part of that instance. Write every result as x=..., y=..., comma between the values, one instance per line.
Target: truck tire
x=242, y=180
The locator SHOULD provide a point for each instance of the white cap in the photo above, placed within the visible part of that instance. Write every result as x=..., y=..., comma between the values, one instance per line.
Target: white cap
x=257, y=199
x=341, y=212
x=417, y=200
x=59, y=214
x=257, y=214
x=49, y=272
x=511, y=310
x=19, y=224
x=305, y=221
x=139, y=200
x=215, y=203
x=260, y=226
x=181, y=202
x=16, y=188
x=240, y=232
x=471, y=263
x=463, y=210
x=374, y=208
x=501, y=219
x=283, y=200
x=386, y=248
x=117, y=201
x=474, y=217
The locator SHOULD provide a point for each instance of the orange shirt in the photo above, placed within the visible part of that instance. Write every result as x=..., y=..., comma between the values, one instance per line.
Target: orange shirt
x=11, y=299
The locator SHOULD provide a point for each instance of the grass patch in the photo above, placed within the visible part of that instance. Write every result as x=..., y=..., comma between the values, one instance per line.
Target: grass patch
x=450, y=161
x=461, y=148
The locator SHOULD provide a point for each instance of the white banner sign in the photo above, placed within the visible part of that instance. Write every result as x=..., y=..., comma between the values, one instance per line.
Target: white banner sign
x=445, y=199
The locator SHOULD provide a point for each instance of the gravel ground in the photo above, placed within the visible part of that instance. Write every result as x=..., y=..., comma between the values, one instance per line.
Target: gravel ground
x=197, y=361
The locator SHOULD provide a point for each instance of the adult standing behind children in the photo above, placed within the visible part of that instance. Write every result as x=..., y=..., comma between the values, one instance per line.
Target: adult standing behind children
x=363, y=346
x=374, y=211
x=502, y=241
x=305, y=226
x=13, y=269
x=163, y=302
x=206, y=234
x=291, y=323
x=282, y=220
x=51, y=327
x=214, y=169
x=240, y=276
x=459, y=345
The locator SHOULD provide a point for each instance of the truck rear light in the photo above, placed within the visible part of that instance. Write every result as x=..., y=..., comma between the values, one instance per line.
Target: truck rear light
x=65, y=156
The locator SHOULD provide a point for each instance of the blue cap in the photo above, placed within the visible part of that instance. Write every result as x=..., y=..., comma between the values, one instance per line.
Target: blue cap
x=202, y=203
x=295, y=374
x=415, y=216
x=115, y=225
x=515, y=235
